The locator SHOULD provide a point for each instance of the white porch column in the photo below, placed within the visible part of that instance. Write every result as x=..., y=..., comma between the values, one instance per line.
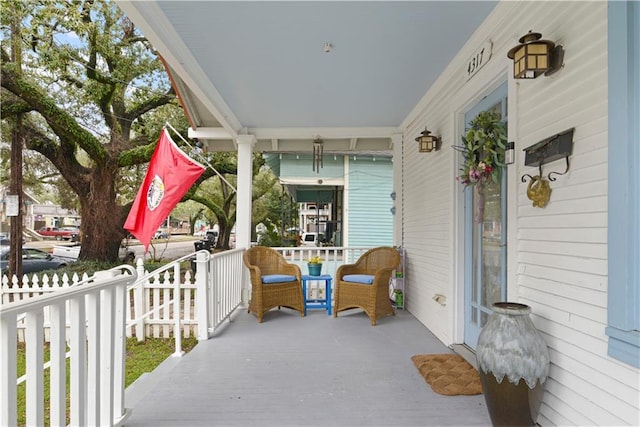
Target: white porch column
x=244, y=185
x=243, y=201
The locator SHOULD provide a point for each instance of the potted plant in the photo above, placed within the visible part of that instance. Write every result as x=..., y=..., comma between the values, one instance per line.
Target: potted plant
x=315, y=265
x=483, y=149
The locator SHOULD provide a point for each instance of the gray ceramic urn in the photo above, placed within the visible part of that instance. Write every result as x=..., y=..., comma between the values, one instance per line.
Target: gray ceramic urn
x=513, y=362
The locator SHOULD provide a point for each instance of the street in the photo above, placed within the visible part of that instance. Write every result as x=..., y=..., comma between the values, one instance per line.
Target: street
x=169, y=249
x=160, y=249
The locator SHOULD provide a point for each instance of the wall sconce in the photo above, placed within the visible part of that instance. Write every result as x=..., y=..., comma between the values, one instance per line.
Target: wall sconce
x=318, y=152
x=534, y=56
x=427, y=143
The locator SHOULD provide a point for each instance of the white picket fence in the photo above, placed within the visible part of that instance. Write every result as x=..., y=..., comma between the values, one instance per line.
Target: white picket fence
x=90, y=317
x=148, y=315
x=146, y=298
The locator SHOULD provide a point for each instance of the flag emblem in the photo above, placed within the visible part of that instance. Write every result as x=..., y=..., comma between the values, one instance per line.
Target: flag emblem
x=155, y=193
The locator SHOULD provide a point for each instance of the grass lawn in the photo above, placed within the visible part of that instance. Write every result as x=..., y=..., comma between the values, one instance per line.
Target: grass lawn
x=141, y=357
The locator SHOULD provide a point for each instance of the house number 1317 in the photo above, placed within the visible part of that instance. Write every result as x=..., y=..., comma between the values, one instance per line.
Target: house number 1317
x=478, y=60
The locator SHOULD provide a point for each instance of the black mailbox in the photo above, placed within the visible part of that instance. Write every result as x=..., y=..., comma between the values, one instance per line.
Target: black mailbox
x=553, y=148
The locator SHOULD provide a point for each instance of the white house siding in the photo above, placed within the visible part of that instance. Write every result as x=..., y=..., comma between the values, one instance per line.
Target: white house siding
x=557, y=254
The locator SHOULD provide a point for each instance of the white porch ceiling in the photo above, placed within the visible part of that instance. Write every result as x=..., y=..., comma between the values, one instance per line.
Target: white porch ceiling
x=260, y=67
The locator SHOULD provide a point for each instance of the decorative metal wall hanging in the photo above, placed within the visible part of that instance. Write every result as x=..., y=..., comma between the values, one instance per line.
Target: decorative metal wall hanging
x=548, y=150
x=539, y=191
x=318, y=152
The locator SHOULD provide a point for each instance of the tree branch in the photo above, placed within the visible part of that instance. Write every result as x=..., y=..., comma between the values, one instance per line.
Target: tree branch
x=62, y=124
x=13, y=107
x=68, y=166
x=150, y=104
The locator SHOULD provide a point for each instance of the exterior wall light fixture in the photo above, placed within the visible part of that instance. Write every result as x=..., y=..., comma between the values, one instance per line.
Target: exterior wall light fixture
x=427, y=142
x=534, y=56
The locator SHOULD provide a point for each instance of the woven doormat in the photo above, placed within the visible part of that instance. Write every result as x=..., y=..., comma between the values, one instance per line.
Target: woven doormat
x=448, y=374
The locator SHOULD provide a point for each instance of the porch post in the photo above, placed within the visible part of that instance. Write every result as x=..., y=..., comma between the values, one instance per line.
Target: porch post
x=243, y=198
x=396, y=140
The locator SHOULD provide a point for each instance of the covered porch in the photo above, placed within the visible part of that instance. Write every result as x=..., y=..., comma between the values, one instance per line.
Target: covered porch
x=311, y=371
x=288, y=370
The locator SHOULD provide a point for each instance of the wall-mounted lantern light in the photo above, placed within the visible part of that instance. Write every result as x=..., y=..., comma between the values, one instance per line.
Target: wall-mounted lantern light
x=427, y=142
x=534, y=56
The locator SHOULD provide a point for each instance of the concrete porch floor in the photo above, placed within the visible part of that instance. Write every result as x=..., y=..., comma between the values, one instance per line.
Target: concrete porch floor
x=311, y=371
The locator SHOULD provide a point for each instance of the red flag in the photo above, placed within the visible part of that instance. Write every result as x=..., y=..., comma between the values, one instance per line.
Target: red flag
x=171, y=173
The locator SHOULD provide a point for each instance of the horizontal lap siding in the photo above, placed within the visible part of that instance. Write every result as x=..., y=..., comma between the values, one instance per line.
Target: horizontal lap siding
x=562, y=248
x=369, y=214
x=560, y=260
x=427, y=223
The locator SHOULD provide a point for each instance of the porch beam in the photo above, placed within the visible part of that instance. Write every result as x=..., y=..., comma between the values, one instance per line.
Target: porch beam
x=324, y=132
x=209, y=133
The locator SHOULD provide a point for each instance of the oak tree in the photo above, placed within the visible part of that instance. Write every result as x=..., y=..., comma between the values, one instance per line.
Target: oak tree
x=90, y=88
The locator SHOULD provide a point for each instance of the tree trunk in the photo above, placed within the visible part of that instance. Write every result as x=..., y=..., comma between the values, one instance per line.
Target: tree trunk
x=102, y=218
x=223, y=235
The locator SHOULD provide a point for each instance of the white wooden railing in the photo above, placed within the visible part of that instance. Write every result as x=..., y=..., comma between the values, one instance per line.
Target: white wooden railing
x=219, y=288
x=93, y=320
x=333, y=257
x=152, y=310
x=96, y=341
x=96, y=314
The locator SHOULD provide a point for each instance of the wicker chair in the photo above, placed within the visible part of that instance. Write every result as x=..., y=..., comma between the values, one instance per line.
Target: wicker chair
x=274, y=282
x=365, y=284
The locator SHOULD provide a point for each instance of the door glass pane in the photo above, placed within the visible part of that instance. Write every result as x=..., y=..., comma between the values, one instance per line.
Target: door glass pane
x=492, y=245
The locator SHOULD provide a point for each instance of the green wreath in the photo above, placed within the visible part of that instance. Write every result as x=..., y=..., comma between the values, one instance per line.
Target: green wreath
x=483, y=149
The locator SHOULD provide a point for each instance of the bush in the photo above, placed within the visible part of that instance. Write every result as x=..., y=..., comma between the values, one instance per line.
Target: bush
x=270, y=238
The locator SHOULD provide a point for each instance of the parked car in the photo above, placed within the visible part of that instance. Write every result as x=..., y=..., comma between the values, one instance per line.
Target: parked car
x=33, y=260
x=58, y=233
x=312, y=239
x=5, y=239
x=161, y=234
x=72, y=252
x=71, y=229
x=75, y=233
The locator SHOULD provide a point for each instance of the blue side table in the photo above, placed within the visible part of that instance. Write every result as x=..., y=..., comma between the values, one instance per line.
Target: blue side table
x=317, y=303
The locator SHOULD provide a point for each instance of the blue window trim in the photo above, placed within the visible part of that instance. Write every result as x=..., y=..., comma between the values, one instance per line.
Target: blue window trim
x=624, y=185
